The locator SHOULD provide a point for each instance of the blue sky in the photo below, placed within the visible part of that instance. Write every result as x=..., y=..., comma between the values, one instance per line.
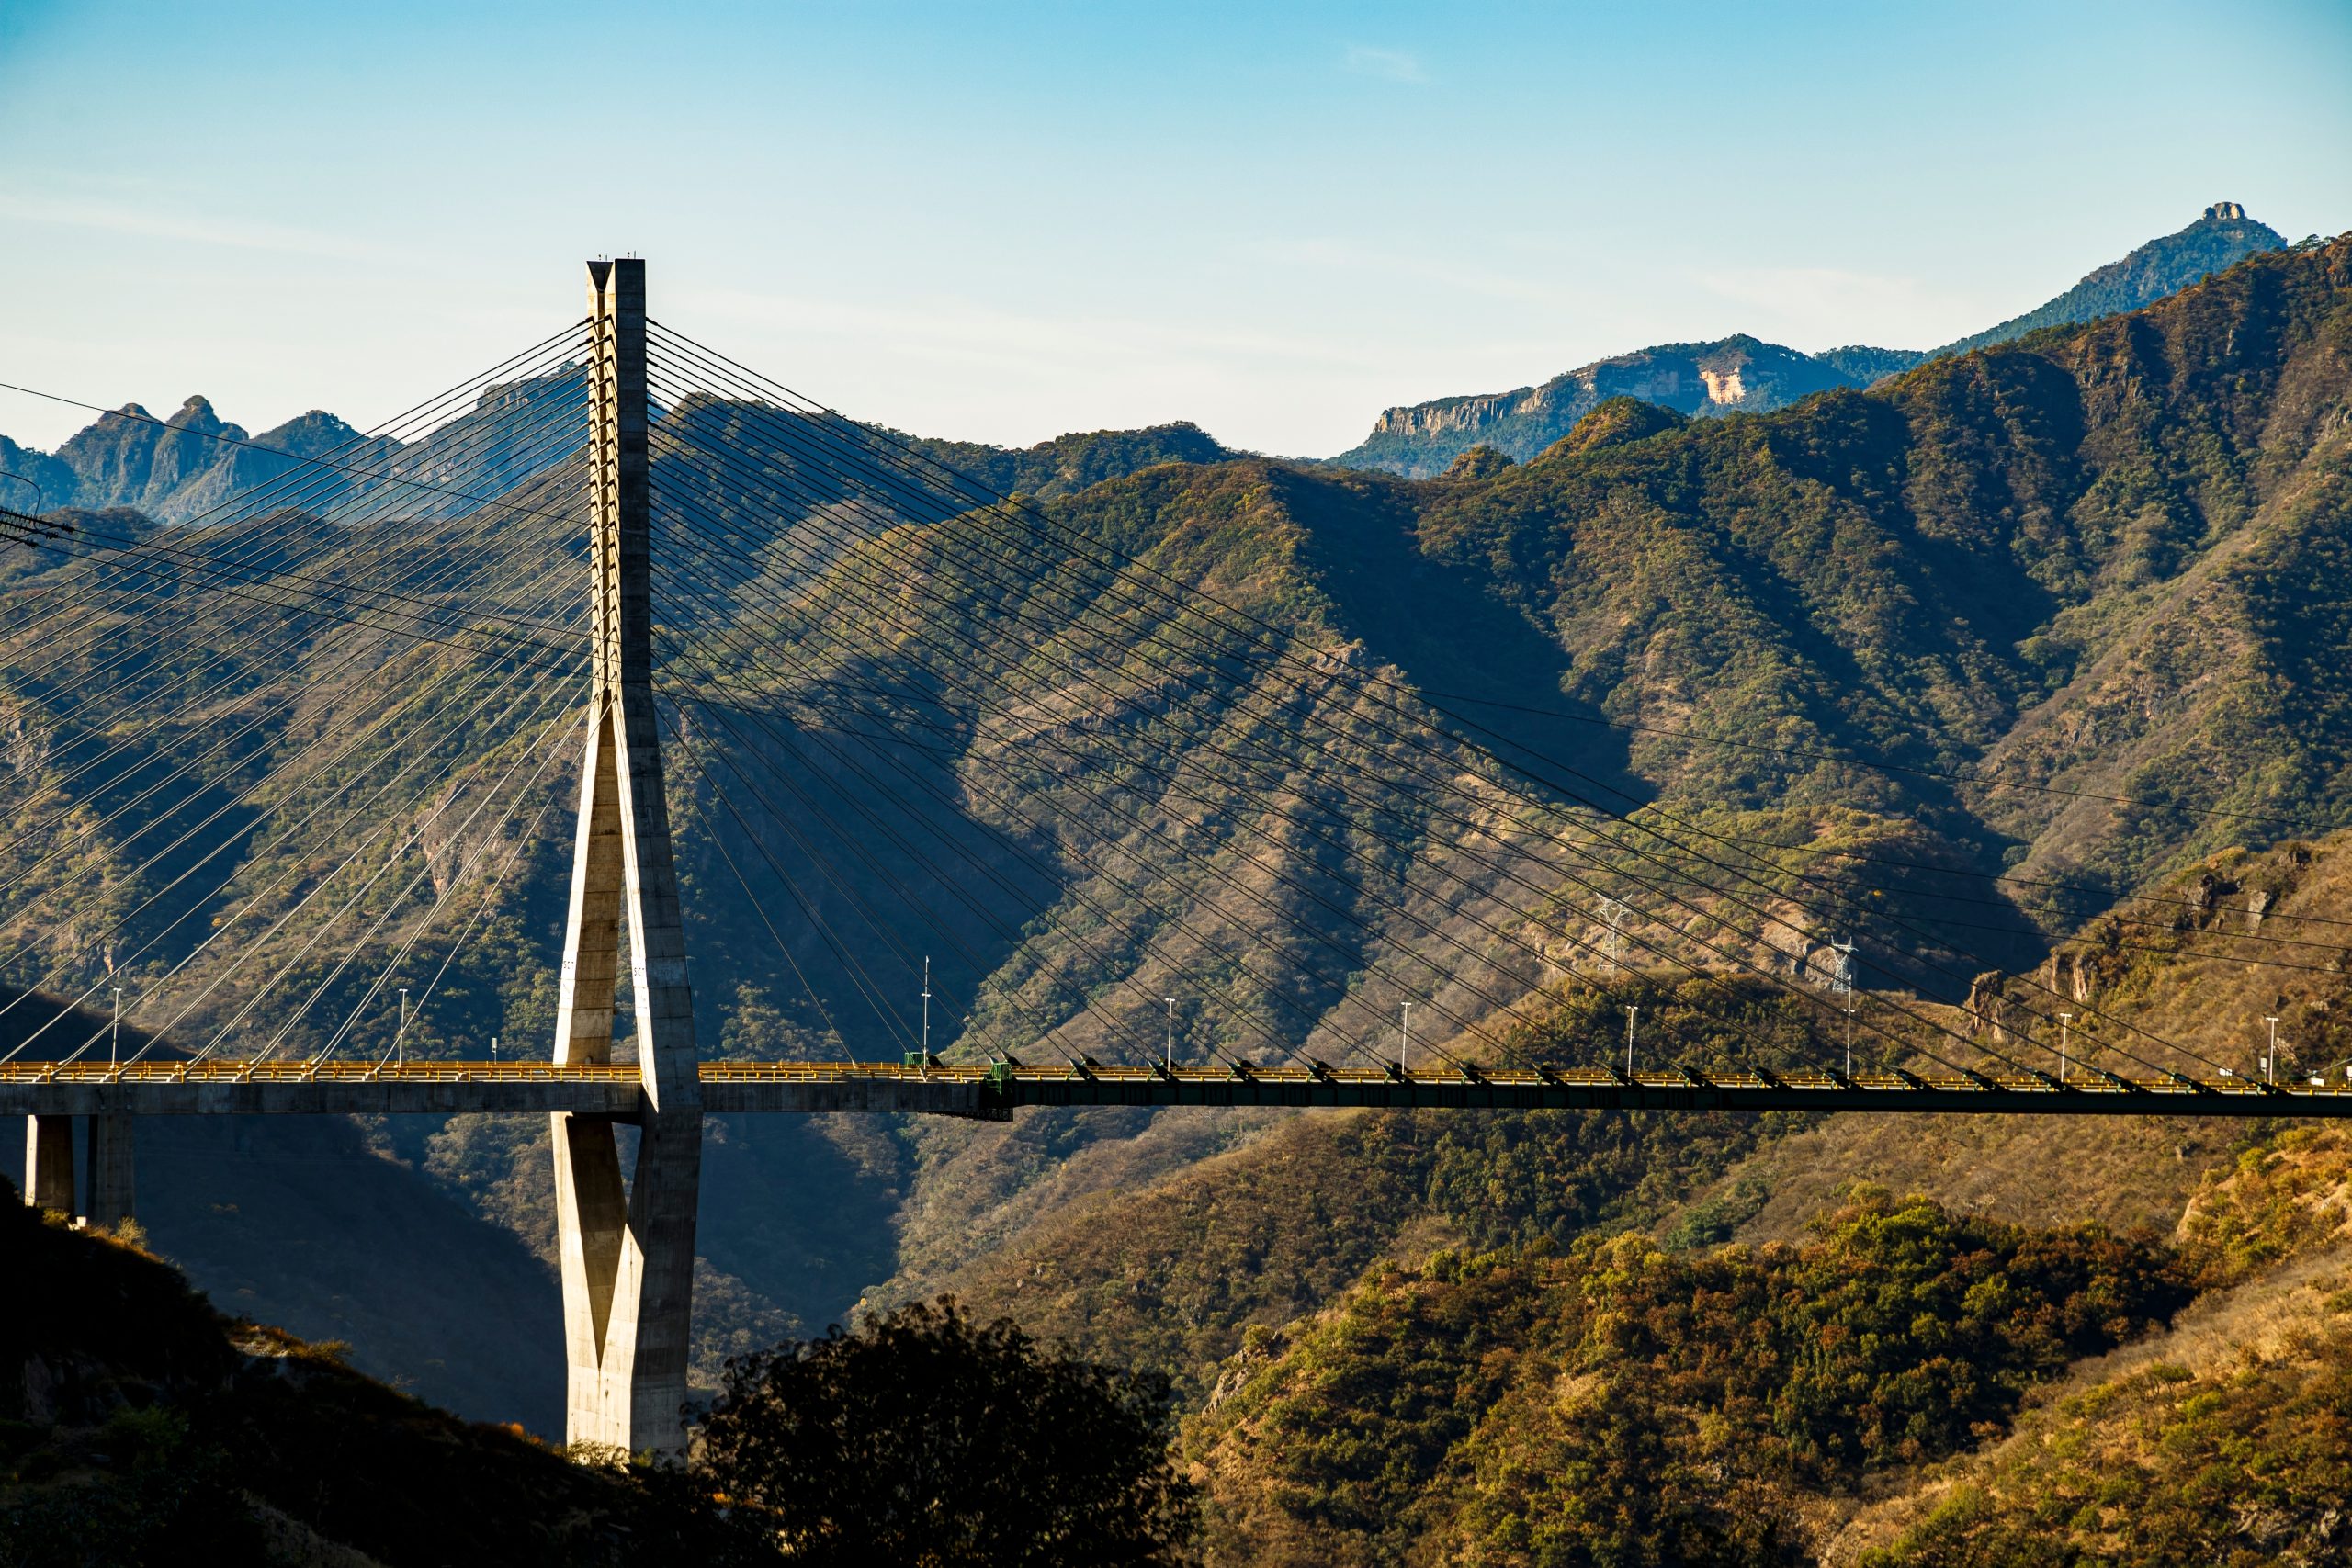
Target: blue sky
x=1004, y=222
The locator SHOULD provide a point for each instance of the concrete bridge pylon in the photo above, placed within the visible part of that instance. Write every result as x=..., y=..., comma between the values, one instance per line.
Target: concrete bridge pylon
x=626, y=1247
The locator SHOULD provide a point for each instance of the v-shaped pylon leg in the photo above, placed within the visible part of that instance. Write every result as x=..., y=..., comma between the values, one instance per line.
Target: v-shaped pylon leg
x=627, y=1247
x=627, y=1243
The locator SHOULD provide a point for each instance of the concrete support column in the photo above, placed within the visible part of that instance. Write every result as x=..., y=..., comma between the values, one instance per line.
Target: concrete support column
x=626, y=1248
x=107, y=1156
x=48, y=1163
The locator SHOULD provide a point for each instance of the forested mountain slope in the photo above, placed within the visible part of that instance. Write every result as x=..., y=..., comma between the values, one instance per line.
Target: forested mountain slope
x=1278, y=741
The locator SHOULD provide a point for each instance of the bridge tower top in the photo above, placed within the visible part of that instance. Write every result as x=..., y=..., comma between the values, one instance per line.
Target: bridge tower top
x=620, y=476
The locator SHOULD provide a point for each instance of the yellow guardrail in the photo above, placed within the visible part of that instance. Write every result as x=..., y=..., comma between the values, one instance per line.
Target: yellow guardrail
x=213, y=1070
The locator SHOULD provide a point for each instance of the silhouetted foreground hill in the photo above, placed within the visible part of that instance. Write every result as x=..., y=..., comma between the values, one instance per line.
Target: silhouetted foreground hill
x=137, y=1425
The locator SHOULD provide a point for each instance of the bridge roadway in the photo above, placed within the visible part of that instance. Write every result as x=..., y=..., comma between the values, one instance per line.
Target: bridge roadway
x=992, y=1092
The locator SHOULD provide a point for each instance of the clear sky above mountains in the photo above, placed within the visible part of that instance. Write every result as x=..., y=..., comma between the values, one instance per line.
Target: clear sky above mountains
x=1001, y=223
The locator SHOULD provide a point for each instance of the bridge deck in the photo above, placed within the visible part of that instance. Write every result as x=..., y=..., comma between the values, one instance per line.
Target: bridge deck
x=522, y=1088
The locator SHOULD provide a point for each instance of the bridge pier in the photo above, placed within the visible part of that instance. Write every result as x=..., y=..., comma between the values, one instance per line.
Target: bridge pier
x=106, y=1167
x=627, y=1249
x=48, y=1163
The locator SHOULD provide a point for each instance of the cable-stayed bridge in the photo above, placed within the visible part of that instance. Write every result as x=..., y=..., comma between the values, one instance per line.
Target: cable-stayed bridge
x=288, y=778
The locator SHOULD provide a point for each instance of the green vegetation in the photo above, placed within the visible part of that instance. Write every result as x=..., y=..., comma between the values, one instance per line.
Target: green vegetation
x=1616, y=1402
x=1613, y=423
x=1069, y=464
x=2228, y=1441
x=2110, y=560
x=1179, y=1274
x=2239, y=1465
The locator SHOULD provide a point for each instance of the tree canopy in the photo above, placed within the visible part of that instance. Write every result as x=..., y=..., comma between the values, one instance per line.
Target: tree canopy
x=926, y=1437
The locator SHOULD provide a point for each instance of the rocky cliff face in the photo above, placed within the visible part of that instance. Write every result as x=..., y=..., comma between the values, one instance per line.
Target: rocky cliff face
x=1733, y=374
x=174, y=469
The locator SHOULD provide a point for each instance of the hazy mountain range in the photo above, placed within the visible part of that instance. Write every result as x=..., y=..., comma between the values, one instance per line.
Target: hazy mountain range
x=174, y=469
x=1744, y=375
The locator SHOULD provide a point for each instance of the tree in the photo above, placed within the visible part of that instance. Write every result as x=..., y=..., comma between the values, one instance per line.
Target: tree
x=922, y=1437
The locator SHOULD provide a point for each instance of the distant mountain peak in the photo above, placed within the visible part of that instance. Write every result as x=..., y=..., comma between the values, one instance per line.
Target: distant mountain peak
x=1741, y=374
x=2216, y=242
x=197, y=414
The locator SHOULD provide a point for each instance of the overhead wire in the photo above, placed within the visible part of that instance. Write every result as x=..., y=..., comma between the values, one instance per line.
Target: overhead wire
x=773, y=478
x=411, y=758
x=120, y=809
x=1486, y=752
x=211, y=856
x=1144, y=828
x=1549, y=960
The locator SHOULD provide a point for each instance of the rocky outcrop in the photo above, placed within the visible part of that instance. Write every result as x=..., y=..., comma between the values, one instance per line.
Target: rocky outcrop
x=174, y=469
x=1733, y=374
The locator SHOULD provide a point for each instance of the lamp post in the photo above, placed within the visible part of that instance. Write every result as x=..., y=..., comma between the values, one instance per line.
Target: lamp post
x=1631, y=1008
x=1167, y=1058
x=114, y=1032
x=399, y=1041
x=2270, y=1059
x=2064, y=1021
x=1404, y=1034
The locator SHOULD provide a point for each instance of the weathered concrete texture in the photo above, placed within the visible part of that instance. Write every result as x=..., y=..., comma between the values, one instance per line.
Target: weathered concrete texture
x=109, y=1186
x=48, y=1163
x=627, y=1251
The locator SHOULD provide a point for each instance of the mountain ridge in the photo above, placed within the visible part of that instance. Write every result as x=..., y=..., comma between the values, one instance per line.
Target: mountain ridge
x=1743, y=374
x=176, y=469
x=1722, y=614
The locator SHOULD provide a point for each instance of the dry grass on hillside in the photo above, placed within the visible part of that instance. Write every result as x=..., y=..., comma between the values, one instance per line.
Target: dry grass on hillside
x=2224, y=1439
x=2124, y=1172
